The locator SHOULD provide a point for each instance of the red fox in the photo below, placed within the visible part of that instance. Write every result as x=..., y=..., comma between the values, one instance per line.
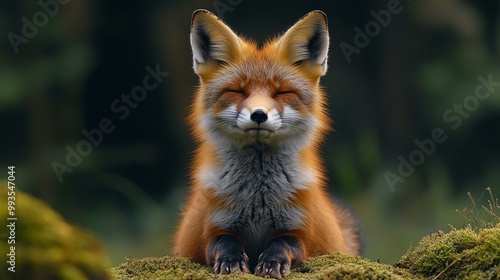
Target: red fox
x=258, y=200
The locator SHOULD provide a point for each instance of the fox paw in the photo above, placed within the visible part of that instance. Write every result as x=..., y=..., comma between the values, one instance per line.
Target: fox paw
x=231, y=264
x=272, y=266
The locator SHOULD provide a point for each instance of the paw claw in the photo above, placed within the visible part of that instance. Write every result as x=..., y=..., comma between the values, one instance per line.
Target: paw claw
x=272, y=268
x=231, y=265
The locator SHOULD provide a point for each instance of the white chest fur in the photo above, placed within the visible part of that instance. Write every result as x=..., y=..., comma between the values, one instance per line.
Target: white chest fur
x=257, y=187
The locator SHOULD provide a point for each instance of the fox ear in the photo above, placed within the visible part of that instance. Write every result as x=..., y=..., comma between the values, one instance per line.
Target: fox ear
x=213, y=43
x=306, y=42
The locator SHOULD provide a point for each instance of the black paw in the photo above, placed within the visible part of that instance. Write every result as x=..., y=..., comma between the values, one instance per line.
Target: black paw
x=228, y=255
x=279, y=257
x=228, y=264
x=273, y=266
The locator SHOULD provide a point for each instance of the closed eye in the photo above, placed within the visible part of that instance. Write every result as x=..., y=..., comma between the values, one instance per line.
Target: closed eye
x=235, y=91
x=222, y=63
x=283, y=93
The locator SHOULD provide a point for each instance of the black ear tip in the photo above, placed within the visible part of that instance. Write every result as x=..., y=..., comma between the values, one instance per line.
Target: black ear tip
x=319, y=13
x=199, y=12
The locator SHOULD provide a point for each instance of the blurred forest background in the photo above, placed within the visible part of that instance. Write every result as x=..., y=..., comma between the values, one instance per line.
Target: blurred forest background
x=63, y=79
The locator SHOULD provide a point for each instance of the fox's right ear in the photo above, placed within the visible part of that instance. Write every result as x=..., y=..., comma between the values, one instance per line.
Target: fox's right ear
x=213, y=43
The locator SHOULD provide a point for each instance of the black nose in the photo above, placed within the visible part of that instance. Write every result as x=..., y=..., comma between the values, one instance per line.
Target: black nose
x=258, y=116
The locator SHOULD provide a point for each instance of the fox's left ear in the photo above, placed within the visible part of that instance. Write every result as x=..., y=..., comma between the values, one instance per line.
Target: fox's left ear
x=306, y=42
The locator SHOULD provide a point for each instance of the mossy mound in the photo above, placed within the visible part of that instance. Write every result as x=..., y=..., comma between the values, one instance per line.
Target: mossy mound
x=338, y=266
x=459, y=254
x=46, y=247
x=333, y=266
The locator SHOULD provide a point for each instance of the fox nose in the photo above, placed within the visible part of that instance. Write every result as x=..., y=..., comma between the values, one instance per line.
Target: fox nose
x=258, y=116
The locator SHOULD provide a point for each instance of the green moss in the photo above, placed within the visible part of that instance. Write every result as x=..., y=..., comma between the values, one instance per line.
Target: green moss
x=460, y=254
x=338, y=266
x=160, y=268
x=46, y=247
x=333, y=266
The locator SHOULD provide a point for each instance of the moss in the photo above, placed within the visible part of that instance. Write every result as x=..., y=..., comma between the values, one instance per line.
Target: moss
x=333, y=266
x=460, y=254
x=338, y=266
x=46, y=247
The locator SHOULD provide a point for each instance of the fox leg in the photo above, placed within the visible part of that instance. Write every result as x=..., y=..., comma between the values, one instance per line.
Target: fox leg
x=227, y=255
x=280, y=255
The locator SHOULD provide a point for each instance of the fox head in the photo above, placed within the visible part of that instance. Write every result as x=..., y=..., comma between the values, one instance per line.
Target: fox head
x=267, y=97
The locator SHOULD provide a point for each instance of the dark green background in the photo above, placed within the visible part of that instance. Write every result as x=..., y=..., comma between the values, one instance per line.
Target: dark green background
x=130, y=188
